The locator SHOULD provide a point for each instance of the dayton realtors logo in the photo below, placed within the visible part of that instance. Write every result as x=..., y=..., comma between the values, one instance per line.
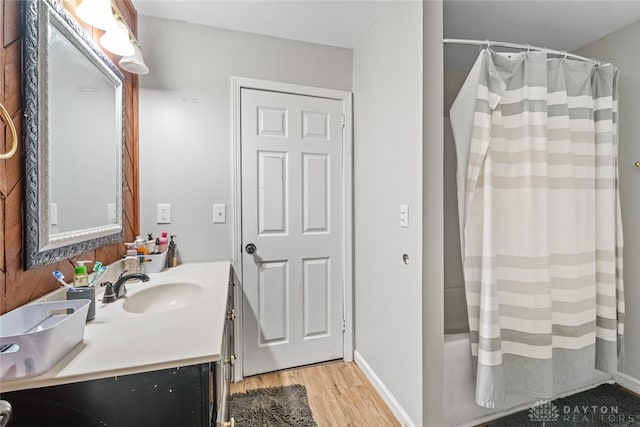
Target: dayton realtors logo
x=545, y=412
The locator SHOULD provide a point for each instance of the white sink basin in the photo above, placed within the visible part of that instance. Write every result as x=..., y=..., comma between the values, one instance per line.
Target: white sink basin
x=166, y=297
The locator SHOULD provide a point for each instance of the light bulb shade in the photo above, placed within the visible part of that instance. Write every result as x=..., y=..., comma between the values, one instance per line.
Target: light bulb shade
x=116, y=40
x=96, y=13
x=134, y=63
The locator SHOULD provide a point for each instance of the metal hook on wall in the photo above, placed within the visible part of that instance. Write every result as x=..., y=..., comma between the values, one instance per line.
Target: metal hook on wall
x=14, y=135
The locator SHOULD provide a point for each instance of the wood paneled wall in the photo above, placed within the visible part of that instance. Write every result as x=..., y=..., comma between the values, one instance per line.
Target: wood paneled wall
x=17, y=286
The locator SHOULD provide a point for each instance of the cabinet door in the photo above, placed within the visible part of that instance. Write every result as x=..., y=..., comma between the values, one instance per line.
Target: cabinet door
x=168, y=397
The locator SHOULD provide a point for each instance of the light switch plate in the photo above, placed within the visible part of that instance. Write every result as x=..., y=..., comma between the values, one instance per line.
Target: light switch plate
x=53, y=214
x=219, y=214
x=164, y=213
x=404, y=216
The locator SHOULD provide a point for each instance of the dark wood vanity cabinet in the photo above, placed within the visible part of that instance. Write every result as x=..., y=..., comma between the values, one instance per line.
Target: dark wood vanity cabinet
x=224, y=369
x=169, y=397
x=195, y=395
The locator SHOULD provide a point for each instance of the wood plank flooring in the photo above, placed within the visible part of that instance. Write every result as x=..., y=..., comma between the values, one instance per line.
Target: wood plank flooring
x=339, y=394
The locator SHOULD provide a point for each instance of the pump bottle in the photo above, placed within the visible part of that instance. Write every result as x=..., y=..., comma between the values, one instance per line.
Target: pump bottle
x=172, y=254
x=80, y=275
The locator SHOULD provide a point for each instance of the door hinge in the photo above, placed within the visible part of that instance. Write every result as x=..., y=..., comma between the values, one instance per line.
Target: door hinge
x=343, y=121
x=344, y=325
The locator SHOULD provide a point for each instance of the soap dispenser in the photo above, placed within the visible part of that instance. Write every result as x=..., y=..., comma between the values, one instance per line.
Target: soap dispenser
x=80, y=275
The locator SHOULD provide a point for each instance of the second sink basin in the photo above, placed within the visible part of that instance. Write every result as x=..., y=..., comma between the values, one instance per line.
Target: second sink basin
x=170, y=296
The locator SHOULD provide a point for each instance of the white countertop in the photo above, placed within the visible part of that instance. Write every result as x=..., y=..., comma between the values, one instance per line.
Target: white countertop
x=117, y=342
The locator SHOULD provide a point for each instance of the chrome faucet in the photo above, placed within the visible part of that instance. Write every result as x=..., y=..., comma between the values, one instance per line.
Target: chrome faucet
x=118, y=289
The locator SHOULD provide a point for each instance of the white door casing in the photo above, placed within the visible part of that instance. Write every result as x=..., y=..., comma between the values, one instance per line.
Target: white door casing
x=292, y=206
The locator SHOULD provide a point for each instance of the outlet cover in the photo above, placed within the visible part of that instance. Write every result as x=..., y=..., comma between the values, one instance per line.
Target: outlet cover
x=112, y=214
x=164, y=213
x=219, y=214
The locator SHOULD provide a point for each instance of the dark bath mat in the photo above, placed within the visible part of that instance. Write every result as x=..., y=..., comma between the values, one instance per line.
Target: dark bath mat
x=607, y=405
x=272, y=407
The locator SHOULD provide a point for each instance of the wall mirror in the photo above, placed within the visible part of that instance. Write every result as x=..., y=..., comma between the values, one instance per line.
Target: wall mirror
x=73, y=138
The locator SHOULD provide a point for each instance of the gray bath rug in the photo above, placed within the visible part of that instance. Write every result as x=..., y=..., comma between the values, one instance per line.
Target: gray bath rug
x=272, y=407
x=607, y=405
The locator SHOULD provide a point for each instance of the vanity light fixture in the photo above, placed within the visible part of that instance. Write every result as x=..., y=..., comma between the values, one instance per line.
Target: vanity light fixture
x=116, y=39
x=96, y=13
x=134, y=63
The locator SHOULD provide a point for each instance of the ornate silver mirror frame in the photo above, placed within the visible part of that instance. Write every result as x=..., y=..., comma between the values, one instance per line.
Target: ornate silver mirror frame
x=42, y=244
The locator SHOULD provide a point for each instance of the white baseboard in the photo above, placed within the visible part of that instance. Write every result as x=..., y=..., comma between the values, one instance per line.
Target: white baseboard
x=389, y=399
x=627, y=381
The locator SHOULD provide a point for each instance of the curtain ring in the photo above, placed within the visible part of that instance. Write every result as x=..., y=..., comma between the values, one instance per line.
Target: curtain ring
x=14, y=135
x=565, y=53
x=528, y=47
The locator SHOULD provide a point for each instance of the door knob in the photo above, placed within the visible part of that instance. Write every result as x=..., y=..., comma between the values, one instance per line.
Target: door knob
x=5, y=413
x=250, y=248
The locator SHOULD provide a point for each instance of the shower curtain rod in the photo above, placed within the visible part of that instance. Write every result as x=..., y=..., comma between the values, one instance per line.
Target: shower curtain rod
x=490, y=43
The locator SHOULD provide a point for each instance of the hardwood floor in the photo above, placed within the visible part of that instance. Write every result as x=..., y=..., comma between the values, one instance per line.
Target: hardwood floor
x=339, y=394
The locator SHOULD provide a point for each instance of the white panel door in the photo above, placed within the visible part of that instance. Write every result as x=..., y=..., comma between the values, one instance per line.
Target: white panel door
x=292, y=213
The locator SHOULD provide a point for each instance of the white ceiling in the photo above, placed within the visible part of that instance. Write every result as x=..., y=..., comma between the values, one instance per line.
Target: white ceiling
x=558, y=24
x=335, y=23
x=561, y=24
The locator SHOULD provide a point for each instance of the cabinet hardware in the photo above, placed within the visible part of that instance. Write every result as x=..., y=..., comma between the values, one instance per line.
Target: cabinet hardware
x=231, y=314
x=232, y=359
x=230, y=423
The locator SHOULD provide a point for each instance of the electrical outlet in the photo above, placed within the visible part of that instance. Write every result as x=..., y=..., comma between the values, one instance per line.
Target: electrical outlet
x=219, y=214
x=112, y=215
x=164, y=213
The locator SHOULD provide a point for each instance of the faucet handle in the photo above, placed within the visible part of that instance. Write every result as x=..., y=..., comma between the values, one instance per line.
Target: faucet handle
x=109, y=295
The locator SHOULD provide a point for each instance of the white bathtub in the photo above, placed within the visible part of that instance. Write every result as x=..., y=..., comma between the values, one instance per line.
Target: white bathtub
x=460, y=384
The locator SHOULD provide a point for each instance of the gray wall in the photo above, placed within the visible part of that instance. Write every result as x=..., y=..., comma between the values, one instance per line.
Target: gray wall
x=455, y=302
x=621, y=48
x=433, y=229
x=387, y=81
x=185, y=144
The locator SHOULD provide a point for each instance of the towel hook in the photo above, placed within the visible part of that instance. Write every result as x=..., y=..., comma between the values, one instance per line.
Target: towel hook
x=14, y=135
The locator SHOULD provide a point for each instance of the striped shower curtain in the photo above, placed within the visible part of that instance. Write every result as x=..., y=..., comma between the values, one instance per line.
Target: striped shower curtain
x=540, y=221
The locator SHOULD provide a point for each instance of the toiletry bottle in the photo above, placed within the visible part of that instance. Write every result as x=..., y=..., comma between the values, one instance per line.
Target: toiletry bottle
x=172, y=254
x=80, y=276
x=163, y=242
x=156, y=247
x=141, y=245
x=150, y=243
x=141, y=261
x=131, y=259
